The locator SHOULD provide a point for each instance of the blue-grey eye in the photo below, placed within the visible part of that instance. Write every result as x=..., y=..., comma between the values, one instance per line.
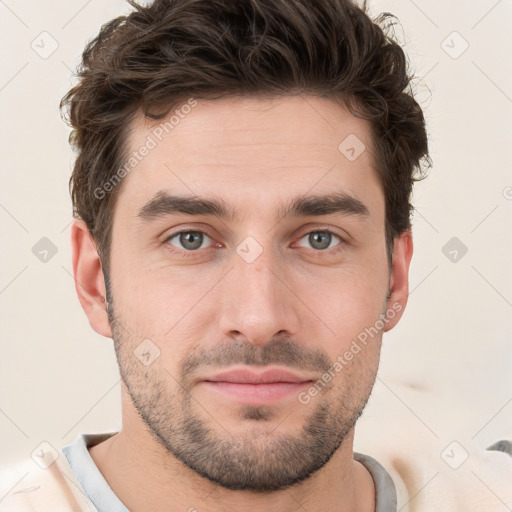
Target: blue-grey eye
x=321, y=240
x=189, y=240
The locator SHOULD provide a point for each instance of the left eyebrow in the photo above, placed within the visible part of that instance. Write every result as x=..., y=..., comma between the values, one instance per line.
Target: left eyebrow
x=316, y=205
x=302, y=206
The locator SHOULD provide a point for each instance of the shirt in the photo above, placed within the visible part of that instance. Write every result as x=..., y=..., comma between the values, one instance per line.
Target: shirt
x=72, y=483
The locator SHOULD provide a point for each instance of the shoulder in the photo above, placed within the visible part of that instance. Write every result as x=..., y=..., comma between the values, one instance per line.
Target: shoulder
x=450, y=476
x=48, y=484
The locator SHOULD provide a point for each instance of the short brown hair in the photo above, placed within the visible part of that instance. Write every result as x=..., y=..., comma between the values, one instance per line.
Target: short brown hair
x=160, y=54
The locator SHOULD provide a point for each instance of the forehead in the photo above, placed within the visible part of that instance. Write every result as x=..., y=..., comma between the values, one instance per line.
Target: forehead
x=250, y=150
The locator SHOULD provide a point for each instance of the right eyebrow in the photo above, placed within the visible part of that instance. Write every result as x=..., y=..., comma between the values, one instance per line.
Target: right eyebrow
x=164, y=204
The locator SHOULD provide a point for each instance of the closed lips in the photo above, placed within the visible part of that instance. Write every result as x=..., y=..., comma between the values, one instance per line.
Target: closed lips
x=243, y=376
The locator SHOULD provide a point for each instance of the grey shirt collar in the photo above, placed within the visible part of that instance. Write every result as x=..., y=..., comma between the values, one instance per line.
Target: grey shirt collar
x=105, y=500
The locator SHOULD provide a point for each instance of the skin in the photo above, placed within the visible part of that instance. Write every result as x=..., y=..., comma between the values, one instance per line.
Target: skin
x=298, y=305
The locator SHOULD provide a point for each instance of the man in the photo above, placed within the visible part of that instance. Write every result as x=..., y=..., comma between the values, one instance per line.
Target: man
x=241, y=188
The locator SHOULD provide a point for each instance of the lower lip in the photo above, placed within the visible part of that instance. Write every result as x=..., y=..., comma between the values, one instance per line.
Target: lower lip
x=257, y=394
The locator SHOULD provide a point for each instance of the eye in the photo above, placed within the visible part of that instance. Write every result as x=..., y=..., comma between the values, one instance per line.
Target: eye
x=188, y=240
x=320, y=240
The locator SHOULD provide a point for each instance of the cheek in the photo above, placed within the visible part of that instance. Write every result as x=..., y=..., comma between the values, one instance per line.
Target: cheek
x=348, y=300
x=167, y=307
x=353, y=313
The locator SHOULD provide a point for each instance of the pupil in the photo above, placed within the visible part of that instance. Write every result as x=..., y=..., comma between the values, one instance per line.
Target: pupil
x=189, y=238
x=317, y=237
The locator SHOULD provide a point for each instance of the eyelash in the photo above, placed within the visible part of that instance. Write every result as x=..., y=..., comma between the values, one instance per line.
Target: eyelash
x=187, y=253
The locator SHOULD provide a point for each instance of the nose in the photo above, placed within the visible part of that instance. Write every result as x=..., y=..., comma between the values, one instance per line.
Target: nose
x=258, y=301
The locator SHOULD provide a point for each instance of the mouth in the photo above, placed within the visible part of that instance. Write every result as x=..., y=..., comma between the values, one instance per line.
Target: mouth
x=257, y=388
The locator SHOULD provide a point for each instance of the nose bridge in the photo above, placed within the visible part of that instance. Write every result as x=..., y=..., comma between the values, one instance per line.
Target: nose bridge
x=256, y=269
x=258, y=304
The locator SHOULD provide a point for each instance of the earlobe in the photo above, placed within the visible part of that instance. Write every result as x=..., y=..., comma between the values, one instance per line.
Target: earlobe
x=89, y=280
x=399, y=280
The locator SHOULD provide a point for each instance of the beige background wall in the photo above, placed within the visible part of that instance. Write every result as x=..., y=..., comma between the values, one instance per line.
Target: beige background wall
x=446, y=369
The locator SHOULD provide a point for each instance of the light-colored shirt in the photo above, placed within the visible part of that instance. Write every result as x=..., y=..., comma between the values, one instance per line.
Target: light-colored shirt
x=410, y=477
x=73, y=482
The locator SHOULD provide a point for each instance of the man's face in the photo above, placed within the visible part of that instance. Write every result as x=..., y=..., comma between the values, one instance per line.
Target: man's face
x=258, y=291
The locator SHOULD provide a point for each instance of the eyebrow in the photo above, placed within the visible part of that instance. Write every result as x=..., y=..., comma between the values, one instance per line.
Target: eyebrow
x=163, y=204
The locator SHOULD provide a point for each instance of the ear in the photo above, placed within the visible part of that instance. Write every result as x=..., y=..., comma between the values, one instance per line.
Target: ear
x=89, y=280
x=399, y=279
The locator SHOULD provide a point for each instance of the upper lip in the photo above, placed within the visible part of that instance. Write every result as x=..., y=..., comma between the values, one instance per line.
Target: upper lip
x=246, y=376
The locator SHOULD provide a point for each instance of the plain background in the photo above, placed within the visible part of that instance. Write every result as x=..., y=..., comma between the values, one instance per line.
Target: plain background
x=445, y=372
